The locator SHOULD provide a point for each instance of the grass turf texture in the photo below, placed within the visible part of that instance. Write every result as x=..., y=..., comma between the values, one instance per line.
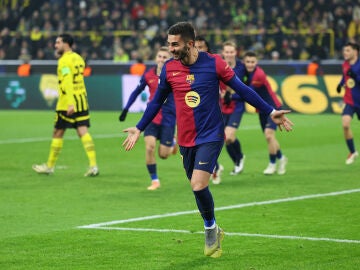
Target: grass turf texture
x=40, y=214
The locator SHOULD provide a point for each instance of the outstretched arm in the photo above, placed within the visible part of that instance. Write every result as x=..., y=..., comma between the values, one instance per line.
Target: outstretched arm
x=250, y=96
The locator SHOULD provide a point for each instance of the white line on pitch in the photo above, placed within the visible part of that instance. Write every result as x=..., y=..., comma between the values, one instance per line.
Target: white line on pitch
x=236, y=234
x=290, y=199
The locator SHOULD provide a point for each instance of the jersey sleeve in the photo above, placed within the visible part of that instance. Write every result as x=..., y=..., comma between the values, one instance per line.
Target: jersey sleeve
x=139, y=88
x=223, y=70
x=249, y=95
x=155, y=104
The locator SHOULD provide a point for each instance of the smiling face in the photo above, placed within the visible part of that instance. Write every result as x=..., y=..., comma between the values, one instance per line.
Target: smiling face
x=250, y=63
x=201, y=46
x=349, y=53
x=229, y=54
x=178, y=47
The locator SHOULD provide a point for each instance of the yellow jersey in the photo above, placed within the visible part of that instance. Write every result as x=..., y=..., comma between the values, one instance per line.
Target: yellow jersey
x=72, y=90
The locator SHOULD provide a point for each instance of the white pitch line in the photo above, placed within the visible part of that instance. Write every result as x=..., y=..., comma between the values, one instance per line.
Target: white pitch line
x=235, y=234
x=290, y=199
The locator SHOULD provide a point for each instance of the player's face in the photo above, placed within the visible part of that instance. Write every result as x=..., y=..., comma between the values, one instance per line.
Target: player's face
x=59, y=46
x=178, y=48
x=161, y=58
x=349, y=53
x=250, y=63
x=201, y=46
x=229, y=54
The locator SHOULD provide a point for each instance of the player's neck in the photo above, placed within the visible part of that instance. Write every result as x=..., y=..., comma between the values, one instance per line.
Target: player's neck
x=191, y=58
x=353, y=60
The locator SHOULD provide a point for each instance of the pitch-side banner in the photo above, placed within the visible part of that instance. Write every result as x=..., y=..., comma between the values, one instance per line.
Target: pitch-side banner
x=299, y=93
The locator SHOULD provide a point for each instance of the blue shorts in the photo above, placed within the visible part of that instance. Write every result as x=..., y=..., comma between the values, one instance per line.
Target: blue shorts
x=200, y=157
x=162, y=133
x=266, y=122
x=350, y=110
x=233, y=119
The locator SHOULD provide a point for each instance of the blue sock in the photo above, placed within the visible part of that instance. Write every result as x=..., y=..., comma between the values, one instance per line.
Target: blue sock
x=350, y=145
x=272, y=158
x=237, y=150
x=205, y=203
x=231, y=152
x=152, y=171
x=279, y=154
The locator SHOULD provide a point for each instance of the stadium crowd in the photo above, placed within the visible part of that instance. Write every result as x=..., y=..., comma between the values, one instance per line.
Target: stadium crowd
x=129, y=30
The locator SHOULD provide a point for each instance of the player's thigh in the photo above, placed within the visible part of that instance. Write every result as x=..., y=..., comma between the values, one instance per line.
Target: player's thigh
x=230, y=133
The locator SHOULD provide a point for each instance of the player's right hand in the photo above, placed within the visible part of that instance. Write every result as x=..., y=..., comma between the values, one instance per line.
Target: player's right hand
x=131, y=139
x=339, y=88
x=123, y=114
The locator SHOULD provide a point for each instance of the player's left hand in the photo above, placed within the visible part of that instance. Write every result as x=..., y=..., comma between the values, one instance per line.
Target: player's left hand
x=279, y=118
x=70, y=110
x=132, y=137
x=227, y=98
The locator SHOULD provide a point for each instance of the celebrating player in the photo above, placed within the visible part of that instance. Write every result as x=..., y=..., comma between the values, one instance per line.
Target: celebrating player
x=256, y=78
x=351, y=81
x=162, y=126
x=193, y=78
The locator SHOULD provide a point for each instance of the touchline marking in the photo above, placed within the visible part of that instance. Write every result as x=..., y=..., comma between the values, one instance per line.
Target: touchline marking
x=235, y=234
x=243, y=205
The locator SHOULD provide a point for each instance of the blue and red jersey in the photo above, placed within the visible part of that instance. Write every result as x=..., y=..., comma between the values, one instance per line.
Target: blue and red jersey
x=236, y=104
x=196, y=93
x=258, y=81
x=352, y=85
x=166, y=115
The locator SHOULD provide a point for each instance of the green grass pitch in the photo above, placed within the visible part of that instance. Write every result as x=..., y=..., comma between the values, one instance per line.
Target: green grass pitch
x=308, y=218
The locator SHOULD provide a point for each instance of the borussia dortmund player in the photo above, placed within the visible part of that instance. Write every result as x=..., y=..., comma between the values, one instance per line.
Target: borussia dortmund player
x=193, y=78
x=72, y=109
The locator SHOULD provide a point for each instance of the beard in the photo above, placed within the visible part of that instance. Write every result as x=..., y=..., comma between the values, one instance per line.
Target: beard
x=180, y=55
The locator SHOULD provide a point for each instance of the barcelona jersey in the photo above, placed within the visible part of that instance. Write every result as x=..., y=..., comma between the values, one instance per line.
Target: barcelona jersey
x=196, y=93
x=352, y=85
x=72, y=89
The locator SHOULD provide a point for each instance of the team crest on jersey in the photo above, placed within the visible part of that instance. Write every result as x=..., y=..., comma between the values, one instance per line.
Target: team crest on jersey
x=192, y=99
x=350, y=83
x=190, y=78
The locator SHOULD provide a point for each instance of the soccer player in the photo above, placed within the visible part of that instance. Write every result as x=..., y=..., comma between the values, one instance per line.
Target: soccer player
x=72, y=108
x=193, y=78
x=256, y=79
x=162, y=126
x=232, y=109
x=202, y=45
x=351, y=81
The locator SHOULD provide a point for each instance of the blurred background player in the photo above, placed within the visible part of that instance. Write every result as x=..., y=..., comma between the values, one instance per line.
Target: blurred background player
x=72, y=108
x=232, y=107
x=202, y=45
x=256, y=79
x=351, y=81
x=162, y=127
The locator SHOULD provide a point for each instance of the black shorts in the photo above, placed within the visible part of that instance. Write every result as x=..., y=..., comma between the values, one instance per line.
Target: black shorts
x=63, y=121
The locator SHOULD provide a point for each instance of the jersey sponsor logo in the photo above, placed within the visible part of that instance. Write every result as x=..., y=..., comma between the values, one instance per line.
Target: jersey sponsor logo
x=190, y=78
x=176, y=73
x=192, y=99
x=350, y=83
x=203, y=162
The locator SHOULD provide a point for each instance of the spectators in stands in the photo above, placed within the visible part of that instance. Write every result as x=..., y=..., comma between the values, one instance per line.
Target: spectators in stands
x=297, y=30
